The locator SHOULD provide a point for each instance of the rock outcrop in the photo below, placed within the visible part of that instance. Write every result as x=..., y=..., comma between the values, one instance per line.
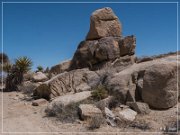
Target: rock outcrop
x=154, y=82
x=106, y=57
x=68, y=82
x=104, y=41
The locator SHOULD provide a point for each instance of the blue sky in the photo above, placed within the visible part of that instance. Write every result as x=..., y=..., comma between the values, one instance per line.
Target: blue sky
x=50, y=33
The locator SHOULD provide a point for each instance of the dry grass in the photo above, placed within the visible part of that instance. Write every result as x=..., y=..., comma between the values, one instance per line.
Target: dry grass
x=95, y=122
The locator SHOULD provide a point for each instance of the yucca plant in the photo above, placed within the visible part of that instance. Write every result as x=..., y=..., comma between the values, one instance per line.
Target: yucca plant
x=40, y=68
x=22, y=65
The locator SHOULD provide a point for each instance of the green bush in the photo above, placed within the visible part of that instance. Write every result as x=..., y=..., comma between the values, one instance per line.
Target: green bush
x=100, y=92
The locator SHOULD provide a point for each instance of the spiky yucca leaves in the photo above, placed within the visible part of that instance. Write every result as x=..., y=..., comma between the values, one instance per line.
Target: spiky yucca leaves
x=15, y=77
x=23, y=64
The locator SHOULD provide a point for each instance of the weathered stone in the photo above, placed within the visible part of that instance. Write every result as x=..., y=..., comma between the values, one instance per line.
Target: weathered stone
x=104, y=23
x=60, y=68
x=109, y=113
x=127, y=114
x=93, y=52
x=160, y=85
x=87, y=111
x=68, y=82
x=119, y=85
x=104, y=103
x=28, y=76
x=60, y=103
x=39, y=102
x=107, y=49
x=124, y=83
x=127, y=45
x=139, y=107
x=39, y=77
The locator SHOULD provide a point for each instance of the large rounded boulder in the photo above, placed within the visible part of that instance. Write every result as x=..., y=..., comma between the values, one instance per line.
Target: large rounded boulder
x=160, y=85
x=104, y=23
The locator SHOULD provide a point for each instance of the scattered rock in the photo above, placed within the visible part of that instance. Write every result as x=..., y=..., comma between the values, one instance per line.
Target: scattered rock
x=127, y=114
x=102, y=104
x=39, y=77
x=110, y=117
x=104, y=23
x=39, y=102
x=139, y=107
x=123, y=106
x=87, y=111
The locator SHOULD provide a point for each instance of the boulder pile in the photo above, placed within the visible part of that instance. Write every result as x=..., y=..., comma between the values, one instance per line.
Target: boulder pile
x=104, y=41
x=107, y=58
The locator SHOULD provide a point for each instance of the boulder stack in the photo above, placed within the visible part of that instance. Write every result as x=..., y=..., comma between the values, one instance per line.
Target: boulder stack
x=104, y=41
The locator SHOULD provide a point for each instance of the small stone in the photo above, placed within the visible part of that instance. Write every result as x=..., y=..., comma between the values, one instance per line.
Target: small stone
x=127, y=114
x=39, y=102
x=88, y=111
x=139, y=107
x=15, y=98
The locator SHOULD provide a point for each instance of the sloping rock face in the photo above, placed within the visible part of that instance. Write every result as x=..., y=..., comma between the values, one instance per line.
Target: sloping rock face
x=68, y=82
x=60, y=68
x=104, y=41
x=104, y=23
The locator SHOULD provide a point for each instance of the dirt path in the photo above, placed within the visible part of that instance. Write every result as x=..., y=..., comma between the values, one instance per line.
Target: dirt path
x=20, y=116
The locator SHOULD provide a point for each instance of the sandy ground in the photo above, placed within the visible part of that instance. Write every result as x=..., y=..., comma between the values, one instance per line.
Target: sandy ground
x=21, y=117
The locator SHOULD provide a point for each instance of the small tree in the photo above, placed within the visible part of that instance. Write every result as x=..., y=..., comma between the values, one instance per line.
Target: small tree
x=40, y=69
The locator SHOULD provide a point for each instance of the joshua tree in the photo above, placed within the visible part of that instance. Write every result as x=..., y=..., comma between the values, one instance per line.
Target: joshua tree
x=7, y=67
x=40, y=68
x=4, y=58
x=15, y=77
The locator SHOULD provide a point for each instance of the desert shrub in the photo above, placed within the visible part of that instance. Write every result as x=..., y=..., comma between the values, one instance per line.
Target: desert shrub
x=16, y=74
x=67, y=114
x=100, y=92
x=113, y=103
x=95, y=122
